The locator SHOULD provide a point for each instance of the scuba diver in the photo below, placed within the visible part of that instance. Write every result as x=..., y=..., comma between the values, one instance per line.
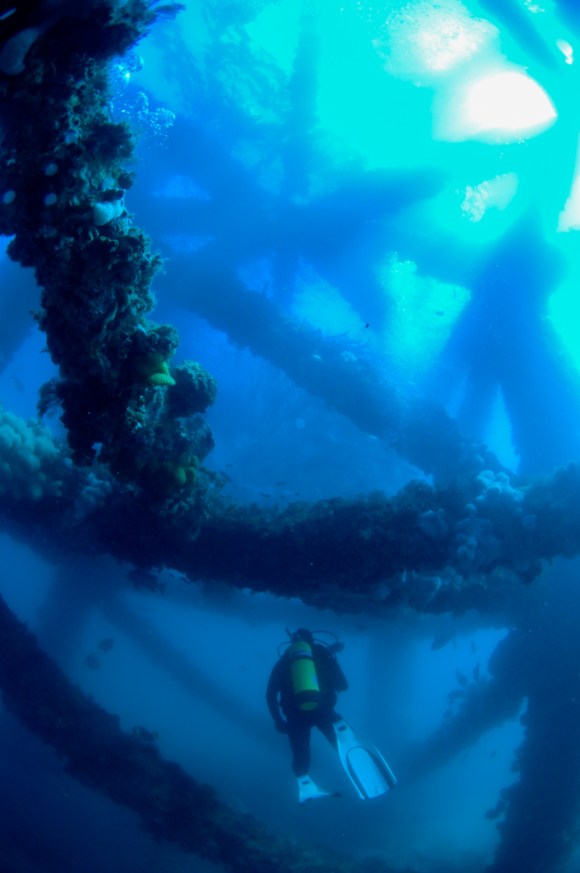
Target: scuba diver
x=301, y=694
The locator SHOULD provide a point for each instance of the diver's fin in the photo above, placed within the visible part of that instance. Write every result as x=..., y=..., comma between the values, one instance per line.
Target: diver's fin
x=309, y=790
x=363, y=763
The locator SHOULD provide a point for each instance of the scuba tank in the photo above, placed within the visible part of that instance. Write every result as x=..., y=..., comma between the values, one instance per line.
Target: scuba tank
x=304, y=679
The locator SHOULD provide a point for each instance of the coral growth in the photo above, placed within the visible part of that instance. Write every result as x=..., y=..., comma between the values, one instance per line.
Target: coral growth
x=195, y=390
x=62, y=199
x=31, y=464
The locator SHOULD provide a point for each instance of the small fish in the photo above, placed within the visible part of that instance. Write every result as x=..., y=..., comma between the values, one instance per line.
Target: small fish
x=144, y=734
x=473, y=647
x=476, y=673
x=18, y=383
x=493, y=754
x=143, y=579
x=106, y=645
x=461, y=678
x=92, y=662
x=441, y=640
x=498, y=810
x=455, y=695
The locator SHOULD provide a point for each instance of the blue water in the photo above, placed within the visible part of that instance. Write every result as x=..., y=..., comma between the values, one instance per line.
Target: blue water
x=400, y=177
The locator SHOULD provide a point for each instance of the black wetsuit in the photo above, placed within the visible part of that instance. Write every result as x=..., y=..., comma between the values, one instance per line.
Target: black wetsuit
x=298, y=724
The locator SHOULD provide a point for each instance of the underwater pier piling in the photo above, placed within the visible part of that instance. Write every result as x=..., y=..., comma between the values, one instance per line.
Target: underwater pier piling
x=419, y=431
x=63, y=180
x=431, y=549
x=458, y=545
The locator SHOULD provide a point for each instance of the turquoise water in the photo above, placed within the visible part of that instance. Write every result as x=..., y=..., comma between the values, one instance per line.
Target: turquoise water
x=397, y=184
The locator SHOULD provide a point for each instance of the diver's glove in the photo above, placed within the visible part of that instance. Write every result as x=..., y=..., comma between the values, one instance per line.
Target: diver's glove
x=281, y=726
